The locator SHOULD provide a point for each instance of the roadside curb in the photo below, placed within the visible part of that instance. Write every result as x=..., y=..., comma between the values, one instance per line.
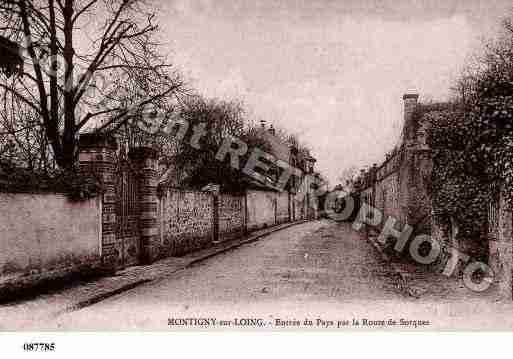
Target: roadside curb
x=98, y=298
x=403, y=284
x=201, y=257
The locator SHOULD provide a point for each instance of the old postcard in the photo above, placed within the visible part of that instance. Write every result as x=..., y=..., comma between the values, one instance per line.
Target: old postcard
x=233, y=165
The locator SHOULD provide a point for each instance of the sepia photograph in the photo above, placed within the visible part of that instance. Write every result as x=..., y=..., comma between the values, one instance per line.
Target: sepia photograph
x=182, y=166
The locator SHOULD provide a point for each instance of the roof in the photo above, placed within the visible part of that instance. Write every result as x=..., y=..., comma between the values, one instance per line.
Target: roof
x=280, y=149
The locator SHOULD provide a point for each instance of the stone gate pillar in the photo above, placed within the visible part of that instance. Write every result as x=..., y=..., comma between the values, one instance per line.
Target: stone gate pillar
x=144, y=160
x=97, y=160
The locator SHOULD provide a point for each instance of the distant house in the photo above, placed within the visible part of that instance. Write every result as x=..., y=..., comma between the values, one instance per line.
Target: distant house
x=303, y=185
x=279, y=149
x=285, y=153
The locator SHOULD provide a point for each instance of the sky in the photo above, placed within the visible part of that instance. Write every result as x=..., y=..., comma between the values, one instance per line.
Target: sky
x=331, y=71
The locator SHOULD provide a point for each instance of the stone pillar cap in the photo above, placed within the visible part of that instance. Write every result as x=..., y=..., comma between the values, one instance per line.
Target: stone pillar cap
x=411, y=95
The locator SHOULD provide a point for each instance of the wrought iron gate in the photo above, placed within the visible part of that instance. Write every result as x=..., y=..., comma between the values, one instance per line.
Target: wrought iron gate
x=127, y=213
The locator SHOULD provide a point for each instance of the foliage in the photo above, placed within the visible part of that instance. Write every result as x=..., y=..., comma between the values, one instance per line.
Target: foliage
x=473, y=141
x=221, y=119
x=197, y=165
x=459, y=189
x=15, y=179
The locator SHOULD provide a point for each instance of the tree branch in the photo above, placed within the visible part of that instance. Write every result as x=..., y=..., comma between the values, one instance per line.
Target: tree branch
x=139, y=106
x=91, y=115
x=81, y=11
x=21, y=97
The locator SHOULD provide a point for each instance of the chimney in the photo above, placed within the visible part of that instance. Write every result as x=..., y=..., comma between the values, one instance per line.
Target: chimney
x=410, y=103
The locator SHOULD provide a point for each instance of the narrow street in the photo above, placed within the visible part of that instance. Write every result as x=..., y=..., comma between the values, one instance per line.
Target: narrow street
x=314, y=266
x=318, y=270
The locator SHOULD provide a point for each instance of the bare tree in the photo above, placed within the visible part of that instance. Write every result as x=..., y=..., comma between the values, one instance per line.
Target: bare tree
x=88, y=65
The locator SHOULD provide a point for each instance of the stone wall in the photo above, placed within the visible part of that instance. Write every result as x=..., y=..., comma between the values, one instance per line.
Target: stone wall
x=282, y=207
x=400, y=186
x=232, y=216
x=298, y=208
x=304, y=207
x=261, y=210
x=192, y=220
x=387, y=195
x=418, y=201
x=402, y=191
x=500, y=245
x=129, y=223
x=186, y=221
x=45, y=235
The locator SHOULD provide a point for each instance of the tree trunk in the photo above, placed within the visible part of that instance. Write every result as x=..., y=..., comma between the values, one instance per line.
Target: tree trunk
x=68, y=138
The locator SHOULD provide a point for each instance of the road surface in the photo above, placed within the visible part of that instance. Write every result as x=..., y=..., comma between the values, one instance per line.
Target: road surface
x=320, y=271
